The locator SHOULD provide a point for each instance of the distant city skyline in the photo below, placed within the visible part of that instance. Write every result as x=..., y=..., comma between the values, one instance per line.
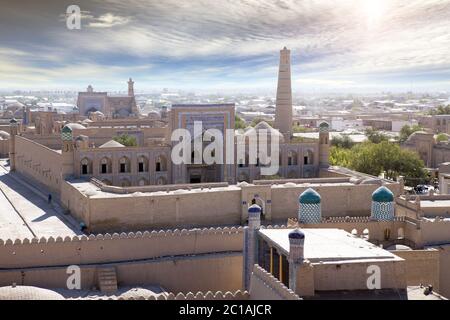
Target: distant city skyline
x=226, y=46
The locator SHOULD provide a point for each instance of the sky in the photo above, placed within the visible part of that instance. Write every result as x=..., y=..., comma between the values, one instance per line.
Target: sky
x=226, y=45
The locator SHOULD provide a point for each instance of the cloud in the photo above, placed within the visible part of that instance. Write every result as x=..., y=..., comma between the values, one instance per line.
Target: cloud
x=107, y=21
x=233, y=40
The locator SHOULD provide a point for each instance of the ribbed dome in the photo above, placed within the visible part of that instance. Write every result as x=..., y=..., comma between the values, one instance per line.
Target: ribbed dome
x=75, y=126
x=28, y=293
x=310, y=196
x=382, y=194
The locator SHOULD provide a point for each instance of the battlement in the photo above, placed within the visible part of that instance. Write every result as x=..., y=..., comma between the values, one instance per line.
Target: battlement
x=218, y=295
x=109, y=248
x=263, y=285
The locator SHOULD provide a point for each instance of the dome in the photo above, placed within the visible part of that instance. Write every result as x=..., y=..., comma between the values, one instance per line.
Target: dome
x=66, y=129
x=112, y=144
x=324, y=126
x=3, y=134
x=254, y=208
x=310, y=196
x=296, y=234
x=398, y=247
x=75, y=126
x=28, y=293
x=154, y=115
x=416, y=135
x=265, y=126
x=383, y=194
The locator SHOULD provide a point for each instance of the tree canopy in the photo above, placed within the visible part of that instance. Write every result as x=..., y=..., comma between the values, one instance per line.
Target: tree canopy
x=343, y=141
x=239, y=123
x=375, y=136
x=406, y=131
x=441, y=110
x=126, y=140
x=441, y=137
x=376, y=158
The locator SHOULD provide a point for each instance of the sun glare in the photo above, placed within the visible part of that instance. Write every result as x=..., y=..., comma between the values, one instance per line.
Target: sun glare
x=374, y=11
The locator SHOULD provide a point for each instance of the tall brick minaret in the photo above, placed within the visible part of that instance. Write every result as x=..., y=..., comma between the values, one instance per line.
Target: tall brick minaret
x=130, y=88
x=283, y=115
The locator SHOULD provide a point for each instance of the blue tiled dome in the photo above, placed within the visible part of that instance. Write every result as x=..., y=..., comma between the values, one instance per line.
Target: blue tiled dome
x=296, y=234
x=254, y=208
x=383, y=194
x=310, y=196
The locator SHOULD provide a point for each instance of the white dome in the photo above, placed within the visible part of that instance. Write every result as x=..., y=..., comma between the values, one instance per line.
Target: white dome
x=28, y=293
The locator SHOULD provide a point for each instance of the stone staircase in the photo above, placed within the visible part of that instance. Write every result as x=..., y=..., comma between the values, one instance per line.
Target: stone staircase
x=107, y=280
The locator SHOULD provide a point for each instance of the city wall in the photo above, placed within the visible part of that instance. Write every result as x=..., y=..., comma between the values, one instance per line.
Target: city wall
x=204, y=272
x=117, y=247
x=38, y=162
x=178, y=260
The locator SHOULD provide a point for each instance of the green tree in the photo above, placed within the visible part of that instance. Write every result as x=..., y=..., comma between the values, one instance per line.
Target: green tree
x=375, y=158
x=255, y=121
x=375, y=136
x=406, y=131
x=299, y=129
x=126, y=140
x=340, y=157
x=239, y=123
x=441, y=137
x=343, y=141
x=441, y=110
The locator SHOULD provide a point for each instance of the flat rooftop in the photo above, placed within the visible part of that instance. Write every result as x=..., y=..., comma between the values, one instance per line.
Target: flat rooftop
x=410, y=293
x=328, y=245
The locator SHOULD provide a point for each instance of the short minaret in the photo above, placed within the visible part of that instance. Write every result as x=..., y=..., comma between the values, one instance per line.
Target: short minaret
x=90, y=89
x=296, y=256
x=130, y=88
x=324, y=145
x=310, y=208
x=250, y=242
x=382, y=205
x=67, y=152
x=283, y=113
x=13, y=128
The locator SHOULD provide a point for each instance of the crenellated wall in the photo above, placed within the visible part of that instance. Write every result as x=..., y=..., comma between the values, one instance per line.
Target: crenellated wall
x=264, y=286
x=219, y=295
x=108, y=248
x=178, y=260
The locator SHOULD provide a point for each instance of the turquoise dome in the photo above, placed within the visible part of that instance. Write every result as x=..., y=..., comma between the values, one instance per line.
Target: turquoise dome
x=310, y=196
x=383, y=194
x=66, y=129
